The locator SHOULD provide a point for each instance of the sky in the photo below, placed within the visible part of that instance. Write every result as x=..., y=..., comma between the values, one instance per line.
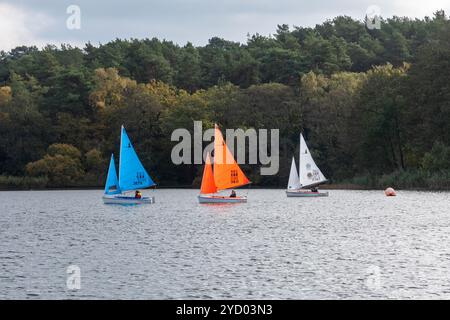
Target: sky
x=41, y=22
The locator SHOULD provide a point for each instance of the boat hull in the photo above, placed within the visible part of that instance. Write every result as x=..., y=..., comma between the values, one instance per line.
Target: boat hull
x=127, y=200
x=220, y=199
x=305, y=193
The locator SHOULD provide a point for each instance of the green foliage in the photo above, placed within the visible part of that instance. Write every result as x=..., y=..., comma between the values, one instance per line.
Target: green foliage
x=65, y=150
x=21, y=183
x=94, y=160
x=5, y=95
x=61, y=165
x=94, y=164
x=405, y=179
x=437, y=159
x=371, y=103
x=428, y=87
x=22, y=127
x=381, y=111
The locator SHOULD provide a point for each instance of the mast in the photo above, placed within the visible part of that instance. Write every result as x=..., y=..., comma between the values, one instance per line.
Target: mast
x=120, y=150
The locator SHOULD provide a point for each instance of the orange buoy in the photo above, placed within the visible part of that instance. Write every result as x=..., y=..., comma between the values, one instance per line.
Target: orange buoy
x=390, y=192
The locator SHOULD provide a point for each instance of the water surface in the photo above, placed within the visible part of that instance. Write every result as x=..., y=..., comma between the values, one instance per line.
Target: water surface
x=353, y=244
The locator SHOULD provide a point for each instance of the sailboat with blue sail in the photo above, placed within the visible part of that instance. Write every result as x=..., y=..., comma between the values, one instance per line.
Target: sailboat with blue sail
x=132, y=176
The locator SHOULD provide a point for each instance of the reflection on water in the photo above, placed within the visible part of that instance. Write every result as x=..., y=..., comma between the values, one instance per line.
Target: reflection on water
x=353, y=244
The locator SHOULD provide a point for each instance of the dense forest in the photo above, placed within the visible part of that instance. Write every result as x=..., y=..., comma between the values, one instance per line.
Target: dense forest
x=374, y=105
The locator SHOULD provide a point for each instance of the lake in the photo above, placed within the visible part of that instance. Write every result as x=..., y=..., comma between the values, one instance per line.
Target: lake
x=351, y=245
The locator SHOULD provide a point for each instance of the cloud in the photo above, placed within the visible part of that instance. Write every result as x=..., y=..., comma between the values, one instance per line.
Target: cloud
x=182, y=20
x=414, y=8
x=20, y=26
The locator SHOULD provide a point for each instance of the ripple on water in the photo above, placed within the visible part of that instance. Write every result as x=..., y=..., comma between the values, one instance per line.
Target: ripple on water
x=285, y=248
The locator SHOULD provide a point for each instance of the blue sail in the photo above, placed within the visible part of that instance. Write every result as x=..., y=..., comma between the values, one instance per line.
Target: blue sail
x=132, y=175
x=112, y=183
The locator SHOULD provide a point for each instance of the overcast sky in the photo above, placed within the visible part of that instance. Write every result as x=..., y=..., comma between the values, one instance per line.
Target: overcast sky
x=38, y=22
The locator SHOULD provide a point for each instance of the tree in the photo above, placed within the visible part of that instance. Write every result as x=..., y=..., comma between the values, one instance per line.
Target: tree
x=23, y=129
x=62, y=165
x=5, y=95
x=188, y=74
x=95, y=165
x=438, y=159
x=369, y=102
x=381, y=113
x=329, y=105
x=428, y=90
x=281, y=65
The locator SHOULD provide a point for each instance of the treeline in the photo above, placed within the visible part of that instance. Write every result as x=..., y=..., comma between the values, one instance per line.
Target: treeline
x=374, y=104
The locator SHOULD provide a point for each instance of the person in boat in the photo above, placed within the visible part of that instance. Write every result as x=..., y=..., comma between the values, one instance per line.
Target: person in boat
x=314, y=189
x=138, y=194
x=233, y=194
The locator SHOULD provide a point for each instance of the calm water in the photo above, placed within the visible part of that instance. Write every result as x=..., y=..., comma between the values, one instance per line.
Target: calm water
x=353, y=244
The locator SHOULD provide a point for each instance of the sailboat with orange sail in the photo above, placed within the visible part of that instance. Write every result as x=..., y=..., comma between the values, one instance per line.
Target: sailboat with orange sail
x=222, y=174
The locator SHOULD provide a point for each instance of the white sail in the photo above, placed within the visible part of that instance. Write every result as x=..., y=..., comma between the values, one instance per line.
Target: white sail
x=309, y=173
x=294, y=181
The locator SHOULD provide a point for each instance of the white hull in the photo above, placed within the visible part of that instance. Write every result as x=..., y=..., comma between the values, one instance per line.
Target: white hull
x=305, y=193
x=118, y=199
x=221, y=199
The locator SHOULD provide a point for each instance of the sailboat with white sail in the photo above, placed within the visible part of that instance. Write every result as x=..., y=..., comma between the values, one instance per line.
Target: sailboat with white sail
x=309, y=175
x=226, y=174
x=132, y=176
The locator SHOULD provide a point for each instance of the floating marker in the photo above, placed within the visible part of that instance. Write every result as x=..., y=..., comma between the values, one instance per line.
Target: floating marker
x=390, y=192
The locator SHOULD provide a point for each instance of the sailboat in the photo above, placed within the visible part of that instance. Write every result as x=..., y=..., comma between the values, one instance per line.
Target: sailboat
x=308, y=176
x=226, y=174
x=132, y=176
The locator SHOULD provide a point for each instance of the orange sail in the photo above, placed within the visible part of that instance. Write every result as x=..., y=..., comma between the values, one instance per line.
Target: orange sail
x=227, y=173
x=208, y=185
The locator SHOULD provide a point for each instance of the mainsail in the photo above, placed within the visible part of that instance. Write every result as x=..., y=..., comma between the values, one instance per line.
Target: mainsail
x=112, y=183
x=208, y=184
x=309, y=172
x=132, y=174
x=227, y=173
x=294, y=180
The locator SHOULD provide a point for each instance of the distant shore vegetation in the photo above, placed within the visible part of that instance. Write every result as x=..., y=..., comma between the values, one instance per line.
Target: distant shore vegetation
x=374, y=105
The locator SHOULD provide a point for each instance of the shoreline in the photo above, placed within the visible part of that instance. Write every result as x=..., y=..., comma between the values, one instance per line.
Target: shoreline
x=324, y=187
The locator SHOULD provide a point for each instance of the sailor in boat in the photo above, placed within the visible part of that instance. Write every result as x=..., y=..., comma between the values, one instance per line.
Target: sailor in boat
x=233, y=194
x=138, y=194
x=314, y=189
